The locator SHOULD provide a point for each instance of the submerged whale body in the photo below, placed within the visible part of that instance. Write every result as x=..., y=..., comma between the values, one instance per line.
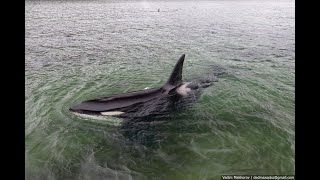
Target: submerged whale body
x=145, y=102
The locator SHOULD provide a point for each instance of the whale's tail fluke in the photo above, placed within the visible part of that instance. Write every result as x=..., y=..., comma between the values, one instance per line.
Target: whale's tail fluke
x=175, y=78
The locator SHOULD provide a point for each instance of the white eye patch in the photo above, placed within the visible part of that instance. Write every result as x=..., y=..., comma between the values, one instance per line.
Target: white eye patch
x=111, y=113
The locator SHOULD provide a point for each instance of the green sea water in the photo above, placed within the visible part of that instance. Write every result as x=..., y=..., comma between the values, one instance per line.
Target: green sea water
x=77, y=50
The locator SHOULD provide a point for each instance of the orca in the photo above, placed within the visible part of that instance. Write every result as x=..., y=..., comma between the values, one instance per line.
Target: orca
x=144, y=102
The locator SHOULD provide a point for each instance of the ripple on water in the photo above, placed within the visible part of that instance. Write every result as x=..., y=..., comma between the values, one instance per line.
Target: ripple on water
x=242, y=124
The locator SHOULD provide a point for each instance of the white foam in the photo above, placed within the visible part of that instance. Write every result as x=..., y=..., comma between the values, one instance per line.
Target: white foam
x=111, y=113
x=183, y=89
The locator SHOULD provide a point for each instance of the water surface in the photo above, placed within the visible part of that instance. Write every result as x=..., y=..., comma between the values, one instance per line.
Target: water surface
x=243, y=124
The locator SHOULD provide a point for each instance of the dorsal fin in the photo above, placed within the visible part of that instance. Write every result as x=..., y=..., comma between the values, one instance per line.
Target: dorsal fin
x=175, y=78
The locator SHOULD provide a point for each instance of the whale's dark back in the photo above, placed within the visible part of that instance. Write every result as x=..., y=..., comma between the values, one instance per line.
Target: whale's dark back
x=128, y=99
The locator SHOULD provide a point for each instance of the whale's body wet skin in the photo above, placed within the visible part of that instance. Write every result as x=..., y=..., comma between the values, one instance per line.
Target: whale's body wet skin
x=81, y=50
x=138, y=104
